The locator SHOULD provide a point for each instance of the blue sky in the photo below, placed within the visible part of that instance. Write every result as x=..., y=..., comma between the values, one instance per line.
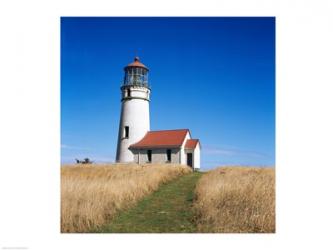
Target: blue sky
x=215, y=76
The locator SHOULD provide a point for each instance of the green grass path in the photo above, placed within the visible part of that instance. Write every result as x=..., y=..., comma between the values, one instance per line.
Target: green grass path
x=168, y=210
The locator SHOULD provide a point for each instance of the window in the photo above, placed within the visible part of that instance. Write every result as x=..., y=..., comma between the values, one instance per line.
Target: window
x=149, y=155
x=126, y=132
x=128, y=92
x=168, y=155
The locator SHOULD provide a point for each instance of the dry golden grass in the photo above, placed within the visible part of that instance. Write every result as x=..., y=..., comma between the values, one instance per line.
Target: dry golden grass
x=92, y=194
x=236, y=200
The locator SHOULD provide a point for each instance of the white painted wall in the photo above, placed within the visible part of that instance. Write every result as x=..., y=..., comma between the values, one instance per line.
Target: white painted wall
x=196, y=155
x=135, y=115
x=182, y=150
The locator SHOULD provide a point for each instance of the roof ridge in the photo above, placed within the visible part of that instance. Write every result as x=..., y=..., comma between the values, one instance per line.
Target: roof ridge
x=169, y=130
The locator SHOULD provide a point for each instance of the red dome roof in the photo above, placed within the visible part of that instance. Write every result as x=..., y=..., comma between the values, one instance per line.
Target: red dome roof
x=136, y=63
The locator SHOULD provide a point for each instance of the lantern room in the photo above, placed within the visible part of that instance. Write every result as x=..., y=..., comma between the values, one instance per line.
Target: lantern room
x=136, y=74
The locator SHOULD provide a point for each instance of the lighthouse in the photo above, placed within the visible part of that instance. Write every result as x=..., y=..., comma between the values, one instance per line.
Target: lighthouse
x=134, y=117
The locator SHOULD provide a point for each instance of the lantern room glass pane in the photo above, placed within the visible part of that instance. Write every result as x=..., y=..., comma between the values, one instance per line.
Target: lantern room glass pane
x=136, y=76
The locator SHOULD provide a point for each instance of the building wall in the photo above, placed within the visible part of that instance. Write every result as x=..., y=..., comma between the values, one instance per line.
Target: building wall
x=196, y=156
x=158, y=155
x=135, y=115
x=196, y=159
x=183, y=154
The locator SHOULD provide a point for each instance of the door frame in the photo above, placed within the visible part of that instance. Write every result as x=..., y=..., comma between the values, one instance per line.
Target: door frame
x=187, y=159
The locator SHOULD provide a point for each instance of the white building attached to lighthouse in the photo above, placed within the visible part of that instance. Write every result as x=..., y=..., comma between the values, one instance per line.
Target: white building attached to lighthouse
x=136, y=143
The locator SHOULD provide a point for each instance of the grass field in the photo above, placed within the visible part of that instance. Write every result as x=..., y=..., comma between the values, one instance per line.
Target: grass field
x=168, y=210
x=236, y=200
x=92, y=195
x=152, y=199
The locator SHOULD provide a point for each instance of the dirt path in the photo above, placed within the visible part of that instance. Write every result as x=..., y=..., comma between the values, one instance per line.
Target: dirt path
x=168, y=210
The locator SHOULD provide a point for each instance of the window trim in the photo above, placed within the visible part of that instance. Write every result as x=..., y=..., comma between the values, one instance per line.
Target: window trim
x=126, y=132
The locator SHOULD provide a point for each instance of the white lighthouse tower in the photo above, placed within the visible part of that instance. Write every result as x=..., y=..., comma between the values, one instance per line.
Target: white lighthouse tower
x=134, y=117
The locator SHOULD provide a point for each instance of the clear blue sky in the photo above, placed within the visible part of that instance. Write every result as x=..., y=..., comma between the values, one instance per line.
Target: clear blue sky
x=215, y=76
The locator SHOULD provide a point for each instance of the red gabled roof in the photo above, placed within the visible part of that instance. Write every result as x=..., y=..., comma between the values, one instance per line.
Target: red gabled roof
x=136, y=63
x=191, y=143
x=162, y=139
